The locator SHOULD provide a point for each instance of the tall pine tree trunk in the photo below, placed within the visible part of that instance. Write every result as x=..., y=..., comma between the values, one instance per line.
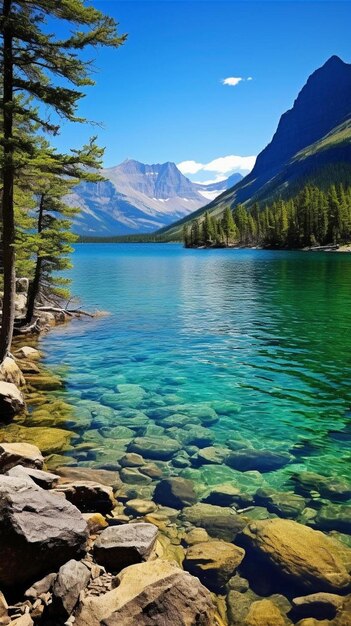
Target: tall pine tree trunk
x=35, y=285
x=8, y=227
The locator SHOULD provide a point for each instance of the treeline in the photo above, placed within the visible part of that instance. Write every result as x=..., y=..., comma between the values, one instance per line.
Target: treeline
x=137, y=238
x=44, y=79
x=313, y=217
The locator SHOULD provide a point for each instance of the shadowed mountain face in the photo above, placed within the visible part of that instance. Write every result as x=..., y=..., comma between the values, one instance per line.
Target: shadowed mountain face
x=138, y=198
x=315, y=133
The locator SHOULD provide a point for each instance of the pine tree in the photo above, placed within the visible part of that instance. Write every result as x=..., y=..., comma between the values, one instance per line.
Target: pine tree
x=228, y=225
x=32, y=60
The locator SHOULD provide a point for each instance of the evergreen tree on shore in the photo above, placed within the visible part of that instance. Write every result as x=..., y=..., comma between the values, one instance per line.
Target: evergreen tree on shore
x=51, y=71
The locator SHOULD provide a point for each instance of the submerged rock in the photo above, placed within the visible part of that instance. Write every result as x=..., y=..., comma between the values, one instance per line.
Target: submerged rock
x=214, y=562
x=38, y=531
x=12, y=454
x=334, y=517
x=162, y=448
x=213, y=454
x=175, y=492
x=150, y=594
x=105, y=477
x=228, y=495
x=265, y=613
x=284, y=504
x=261, y=460
x=11, y=401
x=48, y=440
x=320, y=605
x=219, y=521
x=332, y=488
x=304, y=556
x=119, y=546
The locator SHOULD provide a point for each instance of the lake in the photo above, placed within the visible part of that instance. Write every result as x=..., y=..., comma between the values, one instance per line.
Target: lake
x=247, y=349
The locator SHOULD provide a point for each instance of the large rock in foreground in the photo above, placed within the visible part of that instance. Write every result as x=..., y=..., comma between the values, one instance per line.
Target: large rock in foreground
x=39, y=531
x=13, y=454
x=11, y=401
x=119, y=546
x=150, y=594
x=305, y=556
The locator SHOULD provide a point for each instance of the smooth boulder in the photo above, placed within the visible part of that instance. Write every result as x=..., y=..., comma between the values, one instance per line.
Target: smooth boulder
x=162, y=448
x=39, y=531
x=156, y=593
x=304, y=556
x=213, y=562
x=261, y=460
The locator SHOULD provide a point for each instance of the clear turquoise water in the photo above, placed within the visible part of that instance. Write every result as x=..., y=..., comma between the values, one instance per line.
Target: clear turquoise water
x=264, y=337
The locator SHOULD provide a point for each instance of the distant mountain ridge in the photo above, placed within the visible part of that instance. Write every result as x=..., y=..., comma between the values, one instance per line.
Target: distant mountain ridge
x=138, y=198
x=313, y=134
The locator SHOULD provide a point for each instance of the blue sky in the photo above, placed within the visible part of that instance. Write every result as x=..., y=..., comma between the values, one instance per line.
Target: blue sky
x=160, y=97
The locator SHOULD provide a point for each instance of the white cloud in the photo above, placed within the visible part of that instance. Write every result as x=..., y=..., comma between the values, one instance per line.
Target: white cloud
x=219, y=168
x=190, y=167
x=232, y=81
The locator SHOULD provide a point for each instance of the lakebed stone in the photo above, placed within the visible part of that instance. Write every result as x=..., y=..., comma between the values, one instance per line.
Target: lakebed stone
x=150, y=594
x=262, y=460
x=332, y=488
x=228, y=495
x=334, y=517
x=162, y=448
x=304, y=556
x=105, y=477
x=37, y=528
x=119, y=546
x=175, y=492
x=284, y=504
x=213, y=562
x=48, y=440
x=320, y=605
x=265, y=613
x=219, y=521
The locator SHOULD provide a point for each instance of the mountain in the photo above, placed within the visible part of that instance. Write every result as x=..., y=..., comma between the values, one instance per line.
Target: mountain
x=313, y=137
x=212, y=190
x=138, y=198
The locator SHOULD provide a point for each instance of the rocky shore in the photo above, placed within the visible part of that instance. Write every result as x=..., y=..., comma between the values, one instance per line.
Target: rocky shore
x=124, y=539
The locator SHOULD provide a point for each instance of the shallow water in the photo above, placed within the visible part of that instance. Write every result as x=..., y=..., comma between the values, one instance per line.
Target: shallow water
x=261, y=337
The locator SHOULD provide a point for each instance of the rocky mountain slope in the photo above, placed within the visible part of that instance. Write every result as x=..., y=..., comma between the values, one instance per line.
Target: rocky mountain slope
x=313, y=135
x=139, y=198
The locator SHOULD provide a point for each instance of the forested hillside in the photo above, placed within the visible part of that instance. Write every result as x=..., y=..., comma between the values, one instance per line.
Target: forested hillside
x=312, y=217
